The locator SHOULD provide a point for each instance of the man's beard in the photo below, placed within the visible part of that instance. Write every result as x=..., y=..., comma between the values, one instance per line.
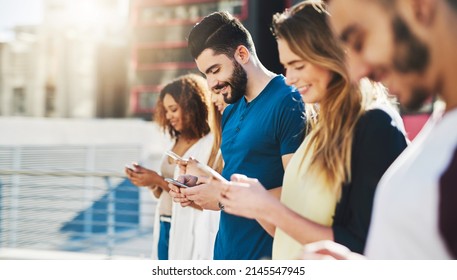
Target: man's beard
x=411, y=56
x=237, y=83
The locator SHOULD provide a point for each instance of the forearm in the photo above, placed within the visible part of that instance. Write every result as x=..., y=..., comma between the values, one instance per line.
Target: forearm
x=155, y=190
x=268, y=227
x=298, y=227
x=196, y=206
x=214, y=206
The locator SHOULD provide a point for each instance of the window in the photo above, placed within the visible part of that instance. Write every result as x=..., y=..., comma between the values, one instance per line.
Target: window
x=18, y=107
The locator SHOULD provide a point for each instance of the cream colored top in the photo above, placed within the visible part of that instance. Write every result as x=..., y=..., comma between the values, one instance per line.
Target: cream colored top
x=306, y=193
x=167, y=169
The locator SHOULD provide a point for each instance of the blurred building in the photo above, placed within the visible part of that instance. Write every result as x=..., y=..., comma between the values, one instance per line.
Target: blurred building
x=108, y=58
x=159, y=49
x=73, y=65
x=18, y=75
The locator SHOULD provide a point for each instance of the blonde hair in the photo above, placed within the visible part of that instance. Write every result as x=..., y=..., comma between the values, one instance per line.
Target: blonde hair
x=331, y=123
x=375, y=93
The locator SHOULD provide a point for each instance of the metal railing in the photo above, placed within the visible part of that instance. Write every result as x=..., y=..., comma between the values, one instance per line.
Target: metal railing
x=91, y=212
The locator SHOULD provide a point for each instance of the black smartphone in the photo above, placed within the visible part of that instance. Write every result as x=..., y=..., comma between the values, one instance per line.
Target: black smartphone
x=176, y=183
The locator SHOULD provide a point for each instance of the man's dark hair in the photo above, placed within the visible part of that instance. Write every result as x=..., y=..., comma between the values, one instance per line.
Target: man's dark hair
x=220, y=32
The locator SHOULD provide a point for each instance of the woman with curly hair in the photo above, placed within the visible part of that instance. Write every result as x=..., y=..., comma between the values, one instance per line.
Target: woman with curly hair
x=182, y=112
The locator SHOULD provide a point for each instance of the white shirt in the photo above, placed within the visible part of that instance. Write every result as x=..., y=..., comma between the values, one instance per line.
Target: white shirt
x=405, y=216
x=193, y=232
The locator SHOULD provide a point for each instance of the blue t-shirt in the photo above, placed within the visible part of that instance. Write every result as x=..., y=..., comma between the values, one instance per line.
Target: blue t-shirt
x=255, y=136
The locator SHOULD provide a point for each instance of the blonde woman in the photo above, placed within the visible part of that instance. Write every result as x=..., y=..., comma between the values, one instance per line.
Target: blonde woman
x=330, y=182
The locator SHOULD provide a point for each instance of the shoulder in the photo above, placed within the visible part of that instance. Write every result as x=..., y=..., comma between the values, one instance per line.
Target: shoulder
x=285, y=96
x=376, y=130
x=376, y=126
x=375, y=115
x=204, y=141
x=207, y=139
x=200, y=149
x=282, y=90
x=374, y=119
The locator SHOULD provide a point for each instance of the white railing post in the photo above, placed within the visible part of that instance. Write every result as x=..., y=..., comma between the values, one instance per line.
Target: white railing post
x=15, y=183
x=88, y=192
x=111, y=234
x=2, y=187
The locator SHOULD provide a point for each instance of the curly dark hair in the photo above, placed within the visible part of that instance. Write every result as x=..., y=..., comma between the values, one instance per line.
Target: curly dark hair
x=192, y=95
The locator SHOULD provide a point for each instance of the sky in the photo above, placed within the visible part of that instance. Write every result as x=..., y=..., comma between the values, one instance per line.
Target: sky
x=18, y=12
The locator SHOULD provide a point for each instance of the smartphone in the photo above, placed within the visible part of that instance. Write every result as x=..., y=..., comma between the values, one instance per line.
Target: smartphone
x=130, y=167
x=176, y=183
x=211, y=172
x=173, y=155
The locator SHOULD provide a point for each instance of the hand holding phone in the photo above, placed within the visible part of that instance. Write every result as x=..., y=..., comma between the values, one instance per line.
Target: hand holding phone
x=130, y=167
x=176, y=183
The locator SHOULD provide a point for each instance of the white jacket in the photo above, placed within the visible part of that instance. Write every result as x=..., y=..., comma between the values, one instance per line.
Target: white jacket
x=193, y=232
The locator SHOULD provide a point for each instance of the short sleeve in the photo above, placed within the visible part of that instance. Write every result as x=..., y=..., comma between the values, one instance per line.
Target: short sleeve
x=291, y=125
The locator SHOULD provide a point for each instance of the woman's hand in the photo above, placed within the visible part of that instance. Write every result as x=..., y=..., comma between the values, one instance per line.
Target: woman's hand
x=203, y=194
x=176, y=193
x=142, y=176
x=328, y=250
x=245, y=197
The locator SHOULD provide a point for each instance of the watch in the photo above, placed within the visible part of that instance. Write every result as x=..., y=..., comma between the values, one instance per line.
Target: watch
x=221, y=206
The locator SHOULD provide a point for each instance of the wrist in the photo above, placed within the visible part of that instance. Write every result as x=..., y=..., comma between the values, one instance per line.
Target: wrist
x=268, y=210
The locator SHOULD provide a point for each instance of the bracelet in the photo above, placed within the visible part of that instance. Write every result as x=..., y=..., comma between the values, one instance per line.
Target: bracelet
x=221, y=206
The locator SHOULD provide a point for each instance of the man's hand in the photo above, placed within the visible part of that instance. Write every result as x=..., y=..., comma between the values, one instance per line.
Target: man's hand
x=176, y=192
x=205, y=194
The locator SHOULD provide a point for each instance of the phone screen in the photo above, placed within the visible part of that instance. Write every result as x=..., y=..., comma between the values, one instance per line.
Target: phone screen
x=176, y=183
x=130, y=167
x=211, y=172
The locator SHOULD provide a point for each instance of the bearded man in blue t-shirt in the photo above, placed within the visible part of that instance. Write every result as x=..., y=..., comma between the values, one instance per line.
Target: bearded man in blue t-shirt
x=261, y=129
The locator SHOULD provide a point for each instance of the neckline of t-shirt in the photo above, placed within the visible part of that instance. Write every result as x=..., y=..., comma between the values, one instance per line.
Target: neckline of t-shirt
x=265, y=89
